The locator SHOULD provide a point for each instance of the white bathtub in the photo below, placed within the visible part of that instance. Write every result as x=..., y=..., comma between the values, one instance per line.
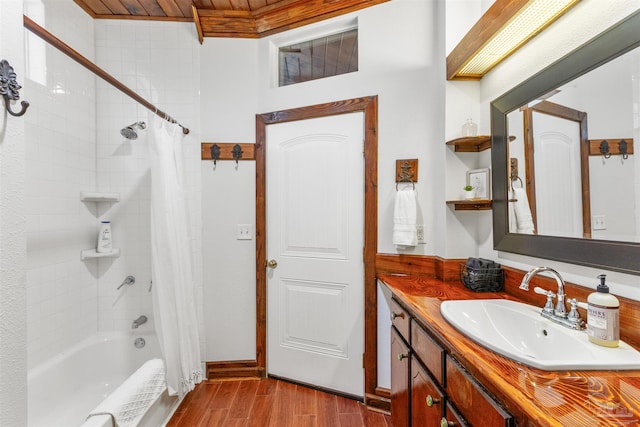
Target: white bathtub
x=64, y=390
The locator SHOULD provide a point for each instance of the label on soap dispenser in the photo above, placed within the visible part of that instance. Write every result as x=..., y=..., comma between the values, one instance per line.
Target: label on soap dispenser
x=602, y=322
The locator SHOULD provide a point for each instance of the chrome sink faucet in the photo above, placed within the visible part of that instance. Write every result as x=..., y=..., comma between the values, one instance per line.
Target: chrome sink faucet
x=560, y=309
x=557, y=313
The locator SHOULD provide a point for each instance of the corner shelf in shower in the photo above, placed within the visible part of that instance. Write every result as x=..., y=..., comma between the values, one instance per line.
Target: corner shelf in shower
x=99, y=196
x=92, y=253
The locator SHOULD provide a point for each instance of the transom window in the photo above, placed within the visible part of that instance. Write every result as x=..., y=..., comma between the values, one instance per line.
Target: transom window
x=315, y=59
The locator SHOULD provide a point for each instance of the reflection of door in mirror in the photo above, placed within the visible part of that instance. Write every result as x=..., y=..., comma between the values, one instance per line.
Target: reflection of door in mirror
x=556, y=143
x=555, y=155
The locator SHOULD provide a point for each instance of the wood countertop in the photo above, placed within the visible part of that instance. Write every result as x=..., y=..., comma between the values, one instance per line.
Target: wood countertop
x=534, y=397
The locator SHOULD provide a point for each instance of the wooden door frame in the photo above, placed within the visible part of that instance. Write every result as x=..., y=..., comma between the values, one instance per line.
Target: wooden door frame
x=369, y=106
x=557, y=110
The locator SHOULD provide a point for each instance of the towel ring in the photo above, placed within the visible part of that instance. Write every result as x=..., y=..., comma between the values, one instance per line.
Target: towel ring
x=407, y=181
x=516, y=178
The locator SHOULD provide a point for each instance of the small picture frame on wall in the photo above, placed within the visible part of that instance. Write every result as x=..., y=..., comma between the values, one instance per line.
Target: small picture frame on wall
x=480, y=180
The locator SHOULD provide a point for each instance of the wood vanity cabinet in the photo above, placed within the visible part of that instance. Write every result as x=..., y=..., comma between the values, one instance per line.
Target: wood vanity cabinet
x=429, y=387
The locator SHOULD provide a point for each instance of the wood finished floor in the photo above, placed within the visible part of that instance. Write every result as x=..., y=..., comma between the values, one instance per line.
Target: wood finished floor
x=270, y=403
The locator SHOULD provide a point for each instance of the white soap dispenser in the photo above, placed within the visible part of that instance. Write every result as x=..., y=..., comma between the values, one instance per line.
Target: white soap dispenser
x=603, y=316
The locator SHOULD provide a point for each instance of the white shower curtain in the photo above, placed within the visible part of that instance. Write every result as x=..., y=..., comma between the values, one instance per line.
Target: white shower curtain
x=174, y=301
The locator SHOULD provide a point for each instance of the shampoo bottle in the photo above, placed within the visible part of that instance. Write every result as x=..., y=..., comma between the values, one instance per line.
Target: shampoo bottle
x=104, y=238
x=603, y=316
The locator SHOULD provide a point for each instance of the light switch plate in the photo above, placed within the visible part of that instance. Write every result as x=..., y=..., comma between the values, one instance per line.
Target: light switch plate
x=420, y=232
x=599, y=222
x=245, y=232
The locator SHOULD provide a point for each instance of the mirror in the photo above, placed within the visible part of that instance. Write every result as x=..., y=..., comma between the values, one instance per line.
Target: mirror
x=577, y=235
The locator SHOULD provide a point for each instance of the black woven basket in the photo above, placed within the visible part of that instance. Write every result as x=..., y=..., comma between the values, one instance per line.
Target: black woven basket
x=482, y=275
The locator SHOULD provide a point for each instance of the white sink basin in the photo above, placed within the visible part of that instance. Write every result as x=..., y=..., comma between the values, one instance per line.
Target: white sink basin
x=517, y=331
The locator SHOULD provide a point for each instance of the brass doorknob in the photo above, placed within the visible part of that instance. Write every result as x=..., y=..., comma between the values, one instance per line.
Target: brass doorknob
x=272, y=263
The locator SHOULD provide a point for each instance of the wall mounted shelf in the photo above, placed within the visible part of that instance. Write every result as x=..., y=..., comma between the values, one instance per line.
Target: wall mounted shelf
x=97, y=196
x=471, y=144
x=470, y=205
x=92, y=253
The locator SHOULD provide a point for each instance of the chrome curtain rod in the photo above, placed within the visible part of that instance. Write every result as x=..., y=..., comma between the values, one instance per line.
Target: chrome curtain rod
x=36, y=29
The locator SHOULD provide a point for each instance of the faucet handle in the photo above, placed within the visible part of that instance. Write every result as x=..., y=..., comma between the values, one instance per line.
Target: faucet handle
x=539, y=290
x=574, y=316
x=548, y=306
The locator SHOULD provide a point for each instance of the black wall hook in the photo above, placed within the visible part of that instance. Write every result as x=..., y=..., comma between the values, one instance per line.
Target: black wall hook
x=237, y=153
x=215, y=153
x=623, y=147
x=604, y=149
x=9, y=88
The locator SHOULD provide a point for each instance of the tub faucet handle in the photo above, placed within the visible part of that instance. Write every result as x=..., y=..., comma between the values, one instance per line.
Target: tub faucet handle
x=129, y=280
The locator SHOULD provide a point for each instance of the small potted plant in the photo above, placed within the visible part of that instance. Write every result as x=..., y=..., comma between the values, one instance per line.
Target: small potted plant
x=469, y=192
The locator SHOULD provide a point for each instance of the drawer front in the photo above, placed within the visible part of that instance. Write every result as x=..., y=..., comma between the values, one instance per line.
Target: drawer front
x=428, y=351
x=452, y=418
x=400, y=319
x=472, y=400
x=427, y=401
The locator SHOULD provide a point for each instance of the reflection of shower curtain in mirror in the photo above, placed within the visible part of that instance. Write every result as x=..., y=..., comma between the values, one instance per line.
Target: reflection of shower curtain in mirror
x=172, y=262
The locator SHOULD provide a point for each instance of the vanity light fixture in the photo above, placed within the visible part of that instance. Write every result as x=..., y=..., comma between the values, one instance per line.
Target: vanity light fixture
x=506, y=26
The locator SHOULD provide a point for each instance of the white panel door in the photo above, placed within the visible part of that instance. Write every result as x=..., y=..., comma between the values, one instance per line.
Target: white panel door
x=315, y=234
x=559, y=188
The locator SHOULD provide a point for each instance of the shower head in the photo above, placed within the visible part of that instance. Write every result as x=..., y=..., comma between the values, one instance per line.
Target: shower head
x=130, y=132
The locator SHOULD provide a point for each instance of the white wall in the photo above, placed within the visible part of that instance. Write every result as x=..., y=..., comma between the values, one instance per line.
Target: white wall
x=403, y=65
x=228, y=106
x=584, y=21
x=463, y=228
x=13, y=319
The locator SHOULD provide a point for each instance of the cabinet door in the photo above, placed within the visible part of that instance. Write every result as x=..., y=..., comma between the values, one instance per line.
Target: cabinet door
x=426, y=398
x=399, y=380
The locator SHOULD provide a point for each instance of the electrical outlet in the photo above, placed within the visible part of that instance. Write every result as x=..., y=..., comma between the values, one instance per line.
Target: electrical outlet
x=599, y=222
x=244, y=232
x=420, y=232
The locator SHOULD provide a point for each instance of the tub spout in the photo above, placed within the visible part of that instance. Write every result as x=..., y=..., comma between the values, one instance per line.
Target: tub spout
x=139, y=321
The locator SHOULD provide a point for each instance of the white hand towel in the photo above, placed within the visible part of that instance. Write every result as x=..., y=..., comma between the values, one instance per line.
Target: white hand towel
x=128, y=403
x=522, y=211
x=513, y=222
x=404, y=219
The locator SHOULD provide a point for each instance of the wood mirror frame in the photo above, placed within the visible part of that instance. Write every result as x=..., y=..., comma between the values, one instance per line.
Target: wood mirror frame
x=611, y=255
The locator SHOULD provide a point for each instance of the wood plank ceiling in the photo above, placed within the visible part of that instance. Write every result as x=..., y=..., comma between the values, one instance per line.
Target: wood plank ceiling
x=227, y=18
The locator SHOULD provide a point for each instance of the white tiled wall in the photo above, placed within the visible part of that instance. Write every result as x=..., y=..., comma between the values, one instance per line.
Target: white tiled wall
x=160, y=62
x=74, y=144
x=60, y=142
